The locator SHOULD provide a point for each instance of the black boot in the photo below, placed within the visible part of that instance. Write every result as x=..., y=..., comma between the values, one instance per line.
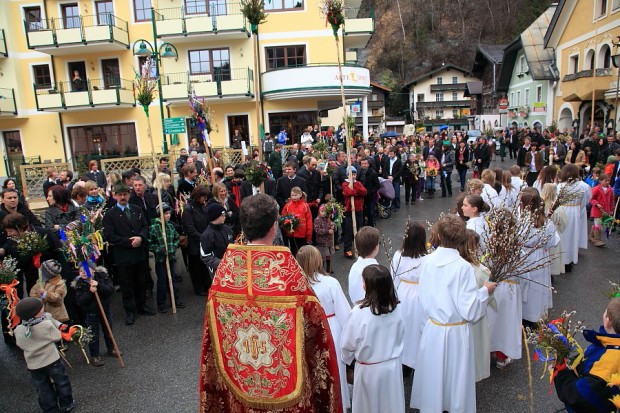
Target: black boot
x=328, y=266
x=568, y=267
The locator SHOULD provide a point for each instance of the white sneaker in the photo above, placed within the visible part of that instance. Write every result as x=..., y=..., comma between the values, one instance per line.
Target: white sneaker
x=420, y=199
x=503, y=364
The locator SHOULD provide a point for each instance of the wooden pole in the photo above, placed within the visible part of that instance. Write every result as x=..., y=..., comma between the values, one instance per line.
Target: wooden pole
x=347, y=138
x=107, y=326
x=161, y=213
x=259, y=119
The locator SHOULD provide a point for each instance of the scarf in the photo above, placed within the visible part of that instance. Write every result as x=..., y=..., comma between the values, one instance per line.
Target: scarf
x=30, y=323
x=573, y=156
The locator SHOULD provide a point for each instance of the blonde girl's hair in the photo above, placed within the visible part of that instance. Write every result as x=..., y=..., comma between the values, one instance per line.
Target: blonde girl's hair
x=297, y=190
x=469, y=249
x=548, y=193
x=160, y=180
x=488, y=176
x=311, y=263
x=88, y=185
x=217, y=187
x=506, y=180
x=473, y=184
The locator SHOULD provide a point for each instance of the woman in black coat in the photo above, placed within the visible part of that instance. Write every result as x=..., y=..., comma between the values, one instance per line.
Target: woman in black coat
x=195, y=221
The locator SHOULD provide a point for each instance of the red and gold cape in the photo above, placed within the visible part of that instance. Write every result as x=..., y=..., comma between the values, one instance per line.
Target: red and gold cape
x=266, y=345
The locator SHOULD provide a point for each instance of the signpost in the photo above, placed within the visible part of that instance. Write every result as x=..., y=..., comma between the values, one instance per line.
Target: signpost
x=174, y=125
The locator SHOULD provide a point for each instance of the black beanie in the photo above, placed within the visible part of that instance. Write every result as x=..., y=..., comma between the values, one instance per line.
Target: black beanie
x=28, y=308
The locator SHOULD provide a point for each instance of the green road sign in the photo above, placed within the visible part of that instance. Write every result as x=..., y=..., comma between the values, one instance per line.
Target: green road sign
x=174, y=125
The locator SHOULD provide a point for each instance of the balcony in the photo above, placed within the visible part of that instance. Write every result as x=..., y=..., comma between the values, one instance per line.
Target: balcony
x=63, y=36
x=359, y=27
x=580, y=86
x=4, y=52
x=7, y=102
x=221, y=22
x=443, y=104
x=315, y=81
x=231, y=85
x=448, y=86
x=99, y=93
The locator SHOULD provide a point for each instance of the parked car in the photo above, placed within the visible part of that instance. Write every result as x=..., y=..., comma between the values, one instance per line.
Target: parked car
x=472, y=136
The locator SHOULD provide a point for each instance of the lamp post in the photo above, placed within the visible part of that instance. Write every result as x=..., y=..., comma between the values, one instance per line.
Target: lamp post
x=615, y=59
x=165, y=51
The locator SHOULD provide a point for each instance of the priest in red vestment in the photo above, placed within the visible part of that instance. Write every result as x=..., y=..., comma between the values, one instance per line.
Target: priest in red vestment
x=266, y=346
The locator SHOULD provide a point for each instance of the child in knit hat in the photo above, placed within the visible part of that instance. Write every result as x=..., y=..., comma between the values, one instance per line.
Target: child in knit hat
x=36, y=336
x=51, y=289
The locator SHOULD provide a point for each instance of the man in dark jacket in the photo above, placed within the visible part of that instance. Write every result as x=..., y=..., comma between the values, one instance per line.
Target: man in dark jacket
x=125, y=227
x=215, y=239
x=313, y=184
x=482, y=156
x=288, y=182
x=11, y=204
x=247, y=189
x=147, y=201
x=393, y=170
x=371, y=183
x=275, y=162
x=447, y=164
x=187, y=183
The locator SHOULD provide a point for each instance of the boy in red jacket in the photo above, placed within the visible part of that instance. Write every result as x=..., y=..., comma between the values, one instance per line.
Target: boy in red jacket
x=356, y=190
x=298, y=206
x=602, y=201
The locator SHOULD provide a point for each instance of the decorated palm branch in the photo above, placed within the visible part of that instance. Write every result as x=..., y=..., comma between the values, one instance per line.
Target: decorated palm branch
x=82, y=241
x=8, y=291
x=31, y=243
x=554, y=342
x=334, y=211
x=289, y=223
x=566, y=195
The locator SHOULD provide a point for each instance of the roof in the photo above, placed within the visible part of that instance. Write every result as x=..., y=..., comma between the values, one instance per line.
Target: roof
x=433, y=72
x=540, y=61
x=473, y=88
x=554, y=21
x=380, y=86
x=492, y=53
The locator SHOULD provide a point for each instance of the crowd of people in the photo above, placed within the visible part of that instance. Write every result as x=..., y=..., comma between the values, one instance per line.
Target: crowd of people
x=428, y=306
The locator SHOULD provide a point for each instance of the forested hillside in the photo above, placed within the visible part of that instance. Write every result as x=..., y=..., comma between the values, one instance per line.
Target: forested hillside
x=414, y=36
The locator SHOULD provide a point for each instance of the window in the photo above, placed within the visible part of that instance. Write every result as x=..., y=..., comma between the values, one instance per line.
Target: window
x=455, y=113
x=276, y=5
x=615, y=5
x=601, y=8
x=32, y=15
x=195, y=6
x=217, y=8
x=440, y=81
x=111, y=73
x=70, y=15
x=512, y=98
x=539, y=97
x=518, y=98
x=287, y=56
x=522, y=65
x=12, y=142
x=438, y=97
x=604, y=57
x=105, y=12
x=214, y=62
x=573, y=64
x=526, y=96
x=113, y=139
x=455, y=96
x=589, y=60
x=420, y=97
x=42, y=76
x=455, y=80
x=439, y=114
x=142, y=10
x=374, y=97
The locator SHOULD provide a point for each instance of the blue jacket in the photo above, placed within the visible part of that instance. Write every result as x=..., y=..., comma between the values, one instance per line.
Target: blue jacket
x=586, y=389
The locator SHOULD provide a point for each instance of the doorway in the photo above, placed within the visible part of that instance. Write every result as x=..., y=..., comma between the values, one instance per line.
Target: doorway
x=240, y=123
x=77, y=76
x=111, y=73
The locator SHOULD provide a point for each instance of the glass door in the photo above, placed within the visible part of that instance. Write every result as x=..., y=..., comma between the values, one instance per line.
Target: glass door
x=105, y=12
x=111, y=73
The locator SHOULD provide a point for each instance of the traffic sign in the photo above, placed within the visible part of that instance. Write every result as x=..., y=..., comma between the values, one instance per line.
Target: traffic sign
x=502, y=103
x=174, y=125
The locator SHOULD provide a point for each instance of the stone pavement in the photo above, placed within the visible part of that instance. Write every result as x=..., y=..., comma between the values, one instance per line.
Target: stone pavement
x=161, y=353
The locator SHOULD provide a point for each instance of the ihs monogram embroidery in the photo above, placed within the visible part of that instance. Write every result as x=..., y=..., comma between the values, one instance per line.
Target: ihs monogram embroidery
x=254, y=347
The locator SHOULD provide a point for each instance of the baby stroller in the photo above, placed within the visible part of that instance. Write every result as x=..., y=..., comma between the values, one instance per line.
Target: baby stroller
x=385, y=195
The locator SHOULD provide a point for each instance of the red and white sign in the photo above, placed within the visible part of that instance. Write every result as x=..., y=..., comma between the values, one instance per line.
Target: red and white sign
x=502, y=103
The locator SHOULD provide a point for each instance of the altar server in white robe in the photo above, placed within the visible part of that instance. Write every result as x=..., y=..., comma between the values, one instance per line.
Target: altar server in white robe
x=586, y=197
x=367, y=246
x=373, y=336
x=451, y=301
x=473, y=208
x=480, y=329
x=538, y=298
x=405, y=268
x=332, y=299
x=575, y=226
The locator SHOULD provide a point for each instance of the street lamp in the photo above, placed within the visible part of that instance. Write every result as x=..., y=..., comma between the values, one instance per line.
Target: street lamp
x=165, y=51
x=615, y=59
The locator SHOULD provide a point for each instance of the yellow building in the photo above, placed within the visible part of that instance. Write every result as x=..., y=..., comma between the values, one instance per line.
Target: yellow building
x=67, y=71
x=583, y=33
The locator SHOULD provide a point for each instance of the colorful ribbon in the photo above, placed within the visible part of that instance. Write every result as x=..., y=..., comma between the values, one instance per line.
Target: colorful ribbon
x=12, y=299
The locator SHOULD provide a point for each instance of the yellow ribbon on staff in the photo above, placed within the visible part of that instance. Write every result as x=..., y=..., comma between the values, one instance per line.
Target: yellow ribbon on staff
x=98, y=240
